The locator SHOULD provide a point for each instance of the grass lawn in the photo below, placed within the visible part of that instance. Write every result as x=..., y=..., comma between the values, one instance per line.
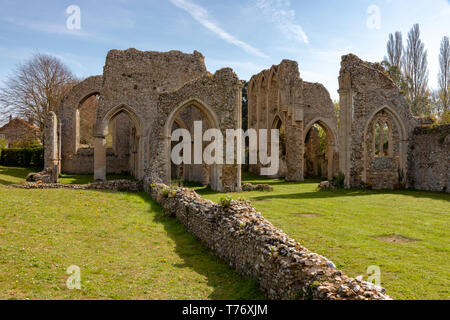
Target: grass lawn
x=122, y=242
x=127, y=249
x=343, y=226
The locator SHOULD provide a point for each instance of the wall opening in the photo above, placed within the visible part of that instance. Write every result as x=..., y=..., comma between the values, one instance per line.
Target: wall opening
x=122, y=145
x=190, y=173
x=319, y=152
x=278, y=124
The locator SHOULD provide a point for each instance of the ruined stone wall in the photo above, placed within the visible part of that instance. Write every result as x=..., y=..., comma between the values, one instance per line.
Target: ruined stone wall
x=280, y=93
x=239, y=235
x=135, y=79
x=194, y=172
x=366, y=92
x=219, y=98
x=75, y=159
x=429, y=159
x=313, y=163
x=83, y=162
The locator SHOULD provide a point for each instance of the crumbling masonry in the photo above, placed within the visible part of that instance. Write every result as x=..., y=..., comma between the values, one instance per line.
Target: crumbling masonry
x=143, y=96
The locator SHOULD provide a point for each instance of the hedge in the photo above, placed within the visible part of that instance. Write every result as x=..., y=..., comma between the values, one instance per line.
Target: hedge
x=26, y=157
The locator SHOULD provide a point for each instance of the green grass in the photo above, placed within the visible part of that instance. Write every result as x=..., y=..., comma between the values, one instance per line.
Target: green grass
x=126, y=248
x=86, y=179
x=349, y=222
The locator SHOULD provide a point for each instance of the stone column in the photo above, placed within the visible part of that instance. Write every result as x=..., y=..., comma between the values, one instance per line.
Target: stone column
x=330, y=154
x=51, y=146
x=294, y=151
x=51, y=141
x=345, y=130
x=100, y=158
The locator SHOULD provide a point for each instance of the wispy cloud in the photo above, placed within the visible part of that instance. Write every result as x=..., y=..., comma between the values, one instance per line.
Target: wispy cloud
x=283, y=16
x=202, y=16
x=61, y=29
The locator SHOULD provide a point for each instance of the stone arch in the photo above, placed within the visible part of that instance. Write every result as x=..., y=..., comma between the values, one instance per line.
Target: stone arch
x=273, y=95
x=383, y=170
x=396, y=118
x=132, y=114
x=325, y=124
x=263, y=103
x=278, y=123
x=331, y=142
x=252, y=96
x=68, y=112
x=178, y=171
x=77, y=127
x=213, y=121
x=276, y=120
x=102, y=128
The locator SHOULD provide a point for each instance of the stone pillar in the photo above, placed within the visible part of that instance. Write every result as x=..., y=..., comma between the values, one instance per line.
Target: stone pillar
x=51, y=146
x=100, y=158
x=51, y=141
x=345, y=133
x=330, y=155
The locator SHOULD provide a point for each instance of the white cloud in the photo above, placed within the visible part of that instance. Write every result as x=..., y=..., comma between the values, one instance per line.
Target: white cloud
x=283, y=16
x=61, y=29
x=201, y=15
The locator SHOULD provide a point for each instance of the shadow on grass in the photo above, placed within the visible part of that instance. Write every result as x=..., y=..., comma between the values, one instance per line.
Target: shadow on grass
x=354, y=193
x=249, y=177
x=89, y=178
x=14, y=172
x=226, y=283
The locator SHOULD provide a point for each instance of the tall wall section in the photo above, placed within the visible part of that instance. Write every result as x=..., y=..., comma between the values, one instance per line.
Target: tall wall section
x=369, y=98
x=429, y=159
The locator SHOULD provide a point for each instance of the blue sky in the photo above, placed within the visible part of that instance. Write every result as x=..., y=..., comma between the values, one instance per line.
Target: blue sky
x=247, y=35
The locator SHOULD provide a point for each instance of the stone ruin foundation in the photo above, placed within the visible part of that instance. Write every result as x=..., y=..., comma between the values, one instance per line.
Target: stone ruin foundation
x=143, y=96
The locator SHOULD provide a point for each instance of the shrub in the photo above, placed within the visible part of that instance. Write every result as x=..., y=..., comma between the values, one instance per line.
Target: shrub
x=339, y=180
x=3, y=144
x=226, y=201
x=366, y=185
x=165, y=192
x=25, y=157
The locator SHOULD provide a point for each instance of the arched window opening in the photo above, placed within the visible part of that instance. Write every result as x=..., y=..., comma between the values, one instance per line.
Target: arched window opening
x=190, y=173
x=317, y=152
x=282, y=133
x=382, y=139
x=377, y=137
x=86, y=118
x=386, y=138
x=122, y=144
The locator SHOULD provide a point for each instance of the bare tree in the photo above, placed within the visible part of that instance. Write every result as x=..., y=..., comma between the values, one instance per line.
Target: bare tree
x=444, y=75
x=395, y=49
x=35, y=88
x=416, y=65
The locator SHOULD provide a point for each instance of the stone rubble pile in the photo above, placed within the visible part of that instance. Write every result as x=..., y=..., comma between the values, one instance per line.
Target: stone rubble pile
x=326, y=185
x=45, y=176
x=116, y=185
x=251, y=245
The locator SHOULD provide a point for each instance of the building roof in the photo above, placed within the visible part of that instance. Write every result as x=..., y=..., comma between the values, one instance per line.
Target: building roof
x=14, y=123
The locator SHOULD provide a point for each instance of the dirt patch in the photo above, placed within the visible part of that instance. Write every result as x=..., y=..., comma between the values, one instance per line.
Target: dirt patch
x=308, y=215
x=395, y=239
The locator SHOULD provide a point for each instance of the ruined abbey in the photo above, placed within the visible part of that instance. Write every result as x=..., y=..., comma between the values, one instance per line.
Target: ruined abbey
x=122, y=121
